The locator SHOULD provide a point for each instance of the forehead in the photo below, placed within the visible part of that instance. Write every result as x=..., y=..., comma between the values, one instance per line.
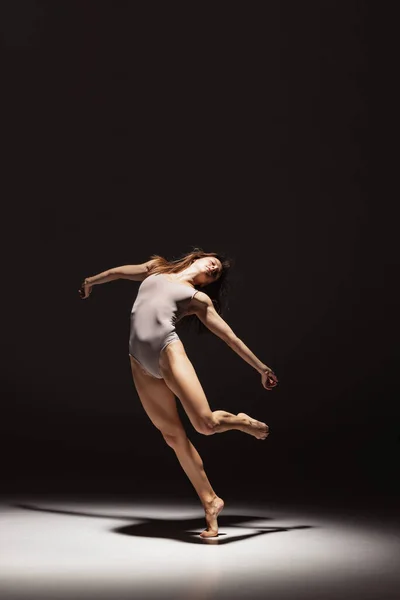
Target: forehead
x=212, y=258
x=207, y=258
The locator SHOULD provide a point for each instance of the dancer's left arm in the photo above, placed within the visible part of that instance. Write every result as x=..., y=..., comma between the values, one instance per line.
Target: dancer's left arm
x=203, y=308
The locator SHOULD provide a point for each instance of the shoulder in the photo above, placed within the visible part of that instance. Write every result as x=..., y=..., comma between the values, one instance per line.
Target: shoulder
x=147, y=268
x=199, y=302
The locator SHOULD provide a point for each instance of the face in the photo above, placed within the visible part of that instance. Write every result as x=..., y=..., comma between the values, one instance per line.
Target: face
x=210, y=269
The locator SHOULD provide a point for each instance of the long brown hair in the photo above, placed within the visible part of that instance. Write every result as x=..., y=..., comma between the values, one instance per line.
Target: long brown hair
x=217, y=290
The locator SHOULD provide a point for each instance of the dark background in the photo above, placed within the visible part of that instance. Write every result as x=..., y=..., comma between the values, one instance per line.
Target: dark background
x=141, y=128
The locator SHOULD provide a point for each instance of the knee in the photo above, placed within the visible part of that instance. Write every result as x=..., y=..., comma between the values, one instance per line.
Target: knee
x=174, y=439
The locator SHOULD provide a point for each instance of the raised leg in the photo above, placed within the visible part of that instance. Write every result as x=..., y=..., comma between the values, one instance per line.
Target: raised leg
x=181, y=378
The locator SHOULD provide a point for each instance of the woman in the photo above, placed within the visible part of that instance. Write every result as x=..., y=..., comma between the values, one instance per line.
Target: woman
x=160, y=366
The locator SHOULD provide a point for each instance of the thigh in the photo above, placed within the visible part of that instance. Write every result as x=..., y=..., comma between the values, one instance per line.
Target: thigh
x=180, y=376
x=157, y=399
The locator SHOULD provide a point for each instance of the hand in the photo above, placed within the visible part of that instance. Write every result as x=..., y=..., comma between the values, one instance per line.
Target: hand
x=268, y=379
x=85, y=290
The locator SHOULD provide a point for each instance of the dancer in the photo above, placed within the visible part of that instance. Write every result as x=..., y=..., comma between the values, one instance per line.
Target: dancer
x=161, y=369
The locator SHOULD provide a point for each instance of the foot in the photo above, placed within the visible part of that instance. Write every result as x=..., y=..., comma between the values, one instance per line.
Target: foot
x=212, y=510
x=259, y=429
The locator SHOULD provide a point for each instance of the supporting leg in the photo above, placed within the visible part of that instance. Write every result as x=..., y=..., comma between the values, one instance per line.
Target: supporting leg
x=191, y=462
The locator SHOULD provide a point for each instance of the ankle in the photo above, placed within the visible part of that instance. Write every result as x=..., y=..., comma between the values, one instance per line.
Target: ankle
x=208, y=500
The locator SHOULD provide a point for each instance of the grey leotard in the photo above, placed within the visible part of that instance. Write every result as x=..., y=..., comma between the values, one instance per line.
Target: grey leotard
x=159, y=304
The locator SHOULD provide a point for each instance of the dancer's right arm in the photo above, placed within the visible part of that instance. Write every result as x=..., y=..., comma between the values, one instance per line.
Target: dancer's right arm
x=134, y=272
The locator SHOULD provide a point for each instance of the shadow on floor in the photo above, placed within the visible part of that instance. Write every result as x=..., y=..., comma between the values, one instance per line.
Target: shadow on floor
x=182, y=530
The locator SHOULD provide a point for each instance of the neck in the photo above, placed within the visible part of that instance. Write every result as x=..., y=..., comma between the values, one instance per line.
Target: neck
x=186, y=276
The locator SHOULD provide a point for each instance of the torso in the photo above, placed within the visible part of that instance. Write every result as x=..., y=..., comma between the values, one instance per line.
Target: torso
x=170, y=277
x=174, y=279
x=163, y=298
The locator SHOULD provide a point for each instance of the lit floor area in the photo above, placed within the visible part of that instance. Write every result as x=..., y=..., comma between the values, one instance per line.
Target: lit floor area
x=117, y=550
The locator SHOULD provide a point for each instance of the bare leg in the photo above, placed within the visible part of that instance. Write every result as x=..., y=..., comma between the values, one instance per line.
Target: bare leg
x=192, y=464
x=160, y=405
